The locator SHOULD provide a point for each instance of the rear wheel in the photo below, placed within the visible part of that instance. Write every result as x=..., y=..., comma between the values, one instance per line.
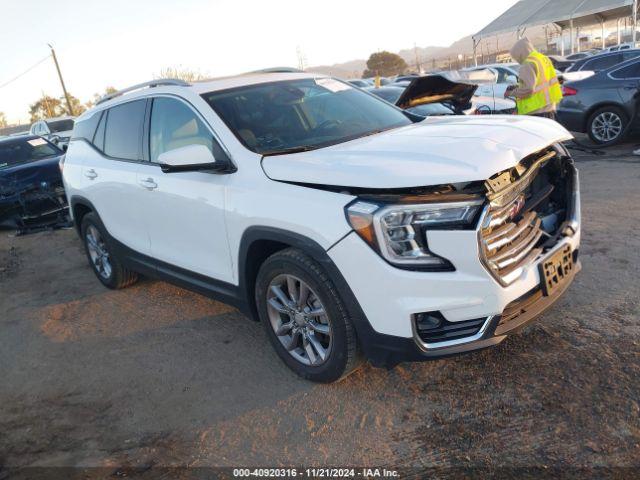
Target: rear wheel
x=103, y=261
x=305, y=318
x=607, y=125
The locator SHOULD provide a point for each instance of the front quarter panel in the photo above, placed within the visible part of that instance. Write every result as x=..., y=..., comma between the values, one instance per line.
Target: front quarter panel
x=253, y=200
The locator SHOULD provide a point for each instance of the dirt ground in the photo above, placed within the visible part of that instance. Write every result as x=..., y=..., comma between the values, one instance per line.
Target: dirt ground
x=154, y=376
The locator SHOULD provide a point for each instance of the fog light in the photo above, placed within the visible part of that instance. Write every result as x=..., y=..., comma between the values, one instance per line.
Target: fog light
x=429, y=321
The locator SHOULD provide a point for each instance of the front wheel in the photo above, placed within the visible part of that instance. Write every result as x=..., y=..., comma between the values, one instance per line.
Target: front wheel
x=607, y=125
x=305, y=318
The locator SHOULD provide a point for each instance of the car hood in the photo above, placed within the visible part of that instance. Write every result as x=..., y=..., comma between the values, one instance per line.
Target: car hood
x=438, y=150
x=45, y=172
x=455, y=91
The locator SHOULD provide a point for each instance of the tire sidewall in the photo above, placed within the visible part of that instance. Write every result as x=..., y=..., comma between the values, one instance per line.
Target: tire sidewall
x=620, y=113
x=90, y=219
x=336, y=364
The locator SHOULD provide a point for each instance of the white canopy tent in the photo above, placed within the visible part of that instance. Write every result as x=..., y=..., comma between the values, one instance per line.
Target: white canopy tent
x=566, y=14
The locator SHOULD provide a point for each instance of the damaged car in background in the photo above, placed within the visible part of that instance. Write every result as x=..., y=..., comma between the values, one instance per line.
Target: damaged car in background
x=31, y=191
x=448, y=93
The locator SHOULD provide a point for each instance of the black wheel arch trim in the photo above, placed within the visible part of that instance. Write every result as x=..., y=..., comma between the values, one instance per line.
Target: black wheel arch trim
x=380, y=349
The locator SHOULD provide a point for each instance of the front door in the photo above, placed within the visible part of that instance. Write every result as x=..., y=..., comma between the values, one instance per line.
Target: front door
x=184, y=212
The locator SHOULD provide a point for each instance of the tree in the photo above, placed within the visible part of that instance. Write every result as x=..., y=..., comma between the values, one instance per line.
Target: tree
x=50, y=107
x=77, y=106
x=3, y=120
x=385, y=64
x=97, y=96
x=181, y=74
x=46, y=107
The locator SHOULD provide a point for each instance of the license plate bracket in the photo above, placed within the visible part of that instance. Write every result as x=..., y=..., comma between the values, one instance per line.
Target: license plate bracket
x=556, y=270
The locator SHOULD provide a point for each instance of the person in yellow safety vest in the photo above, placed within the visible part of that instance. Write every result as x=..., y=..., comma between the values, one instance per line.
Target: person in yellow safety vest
x=538, y=91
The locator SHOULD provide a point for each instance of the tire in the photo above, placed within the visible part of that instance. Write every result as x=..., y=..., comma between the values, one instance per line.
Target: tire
x=288, y=270
x=607, y=125
x=104, y=263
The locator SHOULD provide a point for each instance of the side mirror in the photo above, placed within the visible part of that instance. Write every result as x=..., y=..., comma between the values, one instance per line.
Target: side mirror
x=512, y=80
x=192, y=158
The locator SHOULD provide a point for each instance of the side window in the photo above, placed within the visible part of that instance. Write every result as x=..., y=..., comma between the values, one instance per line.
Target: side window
x=98, y=138
x=598, y=64
x=175, y=125
x=124, y=130
x=630, y=71
x=630, y=54
x=86, y=129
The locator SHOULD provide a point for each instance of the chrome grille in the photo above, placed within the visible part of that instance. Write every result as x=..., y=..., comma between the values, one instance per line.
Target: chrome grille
x=509, y=239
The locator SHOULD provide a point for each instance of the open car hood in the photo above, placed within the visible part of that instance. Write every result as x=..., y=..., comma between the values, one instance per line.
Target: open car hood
x=453, y=88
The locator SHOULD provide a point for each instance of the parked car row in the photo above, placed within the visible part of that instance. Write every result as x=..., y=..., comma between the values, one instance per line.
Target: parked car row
x=56, y=130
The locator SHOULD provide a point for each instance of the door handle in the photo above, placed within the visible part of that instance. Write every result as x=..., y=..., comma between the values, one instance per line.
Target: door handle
x=90, y=174
x=149, y=184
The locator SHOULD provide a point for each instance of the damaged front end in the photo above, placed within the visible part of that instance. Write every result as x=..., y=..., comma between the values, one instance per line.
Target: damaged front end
x=520, y=214
x=530, y=208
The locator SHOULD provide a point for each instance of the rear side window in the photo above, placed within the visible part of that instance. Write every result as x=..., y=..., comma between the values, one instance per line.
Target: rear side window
x=98, y=138
x=598, y=64
x=630, y=54
x=123, y=132
x=630, y=71
x=86, y=129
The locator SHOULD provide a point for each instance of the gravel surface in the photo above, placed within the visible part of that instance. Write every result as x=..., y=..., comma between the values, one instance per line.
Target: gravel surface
x=155, y=376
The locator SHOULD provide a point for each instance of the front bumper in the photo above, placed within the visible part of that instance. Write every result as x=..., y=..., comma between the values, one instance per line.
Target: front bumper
x=390, y=298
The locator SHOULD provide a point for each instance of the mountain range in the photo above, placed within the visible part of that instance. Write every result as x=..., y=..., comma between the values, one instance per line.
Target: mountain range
x=463, y=46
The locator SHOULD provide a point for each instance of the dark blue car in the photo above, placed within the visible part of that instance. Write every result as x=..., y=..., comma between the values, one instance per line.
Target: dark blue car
x=31, y=190
x=605, y=105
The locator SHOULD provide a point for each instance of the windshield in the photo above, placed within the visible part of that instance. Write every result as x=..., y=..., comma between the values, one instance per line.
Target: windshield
x=24, y=150
x=60, y=126
x=390, y=94
x=296, y=115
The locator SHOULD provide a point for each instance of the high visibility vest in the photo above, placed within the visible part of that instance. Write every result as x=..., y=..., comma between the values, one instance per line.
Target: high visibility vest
x=547, y=89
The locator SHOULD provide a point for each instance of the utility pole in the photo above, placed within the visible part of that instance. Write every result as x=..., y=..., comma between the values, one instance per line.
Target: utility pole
x=418, y=66
x=47, y=106
x=635, y=23
x=64, y=89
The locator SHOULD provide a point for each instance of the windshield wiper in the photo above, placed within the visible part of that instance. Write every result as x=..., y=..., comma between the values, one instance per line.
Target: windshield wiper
x=285, y=151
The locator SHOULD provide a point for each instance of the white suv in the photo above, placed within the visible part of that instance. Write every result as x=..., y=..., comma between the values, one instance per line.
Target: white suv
x=350, y=228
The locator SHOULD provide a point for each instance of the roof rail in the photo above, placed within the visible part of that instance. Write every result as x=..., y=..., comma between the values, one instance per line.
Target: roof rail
x=153, y=83
x=278, y=70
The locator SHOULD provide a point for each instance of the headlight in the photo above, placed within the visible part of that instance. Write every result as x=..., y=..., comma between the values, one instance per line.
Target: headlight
x=399, y=232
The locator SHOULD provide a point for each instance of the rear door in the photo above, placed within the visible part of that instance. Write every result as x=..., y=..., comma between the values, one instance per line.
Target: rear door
x=185, y=212
x=627, y=79
x=110, y=173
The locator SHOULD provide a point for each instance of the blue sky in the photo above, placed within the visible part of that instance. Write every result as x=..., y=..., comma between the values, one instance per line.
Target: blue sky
x=120, y=43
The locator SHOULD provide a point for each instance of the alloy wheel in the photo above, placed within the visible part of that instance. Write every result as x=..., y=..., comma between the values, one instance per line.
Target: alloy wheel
x=606, y=127
x=98, y=252
x=299, y=320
